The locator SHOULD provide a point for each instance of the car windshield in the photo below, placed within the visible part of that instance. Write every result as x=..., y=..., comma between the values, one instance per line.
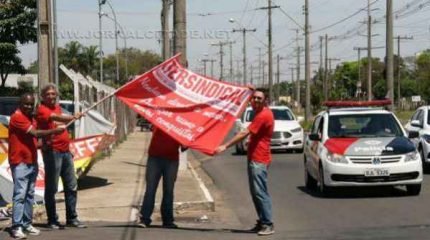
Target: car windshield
x=428, y=117
x=363, y=125
x=278, y=114
x=8, y=107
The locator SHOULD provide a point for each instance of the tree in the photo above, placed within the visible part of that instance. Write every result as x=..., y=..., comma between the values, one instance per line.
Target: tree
x=17, y=25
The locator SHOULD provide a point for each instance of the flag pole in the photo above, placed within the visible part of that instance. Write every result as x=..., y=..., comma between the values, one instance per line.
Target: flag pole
x=114, y=92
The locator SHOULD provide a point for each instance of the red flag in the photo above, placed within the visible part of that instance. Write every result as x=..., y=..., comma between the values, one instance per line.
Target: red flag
x=195, y=110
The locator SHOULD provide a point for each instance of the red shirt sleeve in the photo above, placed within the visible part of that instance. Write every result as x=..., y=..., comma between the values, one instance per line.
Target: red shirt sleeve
x=20, y=123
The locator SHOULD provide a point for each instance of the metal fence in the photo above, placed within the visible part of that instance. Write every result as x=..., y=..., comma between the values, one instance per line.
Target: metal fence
x=86, y=89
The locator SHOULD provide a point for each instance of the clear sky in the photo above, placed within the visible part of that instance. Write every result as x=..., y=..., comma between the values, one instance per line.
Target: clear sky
x=208, y=22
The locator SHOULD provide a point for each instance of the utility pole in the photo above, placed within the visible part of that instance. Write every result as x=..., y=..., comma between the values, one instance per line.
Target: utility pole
x=325, y=85
x=46, y=75
x=369, y=53
x=230, y=44
x=204, y=61
x=307, y=64
x=221, y=57
x=180, y=30
x=252, y=74
x=212, y=66
x=321, y=74
x=330, y=60
x=165, y=29
x=101, y=2
x=260, y=65
x=389, y=53
x=269, y=38
x=278, y=76
x=244, y=31
x=359, y=83
x=298, y=76
x=292, y=80
x=398, y=67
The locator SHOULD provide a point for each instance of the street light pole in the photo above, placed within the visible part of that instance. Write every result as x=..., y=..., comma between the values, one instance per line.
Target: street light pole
x=125, y=45
x=101, y=2
x=116, y=41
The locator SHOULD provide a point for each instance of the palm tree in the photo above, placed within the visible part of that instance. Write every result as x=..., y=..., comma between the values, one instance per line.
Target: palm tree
x=90, y=56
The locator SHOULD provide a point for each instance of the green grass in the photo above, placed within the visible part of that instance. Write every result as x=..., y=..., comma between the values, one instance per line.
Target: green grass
x=404, y=116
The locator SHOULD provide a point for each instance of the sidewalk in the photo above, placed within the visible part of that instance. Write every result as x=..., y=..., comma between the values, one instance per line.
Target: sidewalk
x=113, y=189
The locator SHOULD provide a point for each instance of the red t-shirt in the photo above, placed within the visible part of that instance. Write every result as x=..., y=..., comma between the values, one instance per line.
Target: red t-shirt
x=58, y=142
x=261, y=129
x=164, y=146
x=22, y=145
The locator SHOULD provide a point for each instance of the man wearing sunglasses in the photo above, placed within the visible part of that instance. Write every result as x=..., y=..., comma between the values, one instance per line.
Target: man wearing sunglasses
x=259, y=158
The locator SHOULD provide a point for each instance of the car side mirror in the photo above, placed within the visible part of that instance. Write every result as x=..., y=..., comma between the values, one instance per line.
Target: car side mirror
x=314, y=137
x=300, y=119
x=416, y=123
x=413, y=134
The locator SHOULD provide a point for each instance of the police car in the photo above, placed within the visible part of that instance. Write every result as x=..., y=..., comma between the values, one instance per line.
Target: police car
x=360, y=144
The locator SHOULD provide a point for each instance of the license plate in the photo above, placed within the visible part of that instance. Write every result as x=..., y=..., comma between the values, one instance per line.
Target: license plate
x=376, y=172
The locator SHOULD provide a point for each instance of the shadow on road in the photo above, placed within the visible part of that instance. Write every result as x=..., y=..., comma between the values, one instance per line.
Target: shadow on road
x=88, y=182
x=358, y=192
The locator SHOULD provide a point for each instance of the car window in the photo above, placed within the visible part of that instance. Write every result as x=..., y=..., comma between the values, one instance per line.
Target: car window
x=315, y=125
x=8, y=107
x=420, y=117
x=428, y=117
x=415, y=116
x=278, y=114
x=361, y=125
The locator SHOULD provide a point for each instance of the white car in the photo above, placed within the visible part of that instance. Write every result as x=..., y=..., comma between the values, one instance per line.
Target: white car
x=420, y=122
x=360, y=147
x=287, y=133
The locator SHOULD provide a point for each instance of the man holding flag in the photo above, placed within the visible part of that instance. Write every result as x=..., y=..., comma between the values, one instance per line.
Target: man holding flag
x=259, y=159
x=163, y=161
x=57, y=159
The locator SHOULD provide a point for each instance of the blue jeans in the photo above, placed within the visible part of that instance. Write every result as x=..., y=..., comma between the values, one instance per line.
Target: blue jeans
x=257, y=177
x=24, y=180
x=60, y=164
x=156, y=168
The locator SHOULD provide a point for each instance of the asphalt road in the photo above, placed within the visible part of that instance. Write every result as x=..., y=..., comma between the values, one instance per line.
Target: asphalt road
x=351, y=213
x=370, y=213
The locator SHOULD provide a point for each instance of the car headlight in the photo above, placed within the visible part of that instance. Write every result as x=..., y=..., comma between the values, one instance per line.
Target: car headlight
x=295, y=130
x=412, y=156
x=336, y=158
x=427, y=138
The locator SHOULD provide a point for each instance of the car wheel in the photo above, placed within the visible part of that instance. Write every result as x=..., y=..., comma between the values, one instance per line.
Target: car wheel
x=310, y=182
x=324, y=189
x=414, y=189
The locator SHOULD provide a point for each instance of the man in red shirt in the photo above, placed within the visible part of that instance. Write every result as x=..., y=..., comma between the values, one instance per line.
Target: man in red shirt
x=163, y=161
x=259, y=158
x=57, y=159
x=23, y=164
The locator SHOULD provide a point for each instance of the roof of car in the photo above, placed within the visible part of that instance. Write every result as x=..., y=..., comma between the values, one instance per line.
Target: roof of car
x=365, y=110
x=273, y=107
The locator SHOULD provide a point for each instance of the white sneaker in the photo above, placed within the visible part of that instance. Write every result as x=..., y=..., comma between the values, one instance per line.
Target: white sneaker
x=32, y=230
x=18, y=233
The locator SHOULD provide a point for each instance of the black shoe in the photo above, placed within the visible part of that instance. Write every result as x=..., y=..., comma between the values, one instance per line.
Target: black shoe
x=170, y=225
x=54, y=226
x=266, y=230
x=142, y=224
x=76, y=223
x=256, y=228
